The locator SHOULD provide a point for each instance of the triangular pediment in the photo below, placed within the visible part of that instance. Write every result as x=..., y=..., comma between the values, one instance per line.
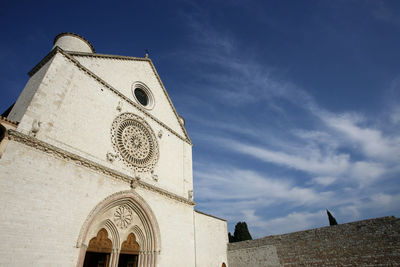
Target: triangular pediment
x=124, y=73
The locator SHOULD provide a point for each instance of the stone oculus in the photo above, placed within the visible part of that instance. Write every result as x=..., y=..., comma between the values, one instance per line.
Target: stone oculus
x=96, y=168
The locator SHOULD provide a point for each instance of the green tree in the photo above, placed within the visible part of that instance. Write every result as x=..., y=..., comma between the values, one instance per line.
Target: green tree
x=241, y=233
x=230, y=237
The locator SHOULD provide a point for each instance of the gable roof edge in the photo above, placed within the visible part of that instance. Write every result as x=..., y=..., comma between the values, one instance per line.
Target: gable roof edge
x=44, y=61
x=169, y=100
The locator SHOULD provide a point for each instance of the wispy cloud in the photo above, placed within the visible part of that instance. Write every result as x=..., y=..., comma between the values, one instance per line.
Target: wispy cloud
x=310, y=160
x=371, y=141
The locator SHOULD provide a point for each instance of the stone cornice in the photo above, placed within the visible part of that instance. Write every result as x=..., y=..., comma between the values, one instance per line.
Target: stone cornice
x=154, y=71
x=9, y=121
x=83, y=54
x=78, y=160
x=209, y=215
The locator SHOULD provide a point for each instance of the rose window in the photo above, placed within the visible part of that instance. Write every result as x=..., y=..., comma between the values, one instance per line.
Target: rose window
x=134, y=140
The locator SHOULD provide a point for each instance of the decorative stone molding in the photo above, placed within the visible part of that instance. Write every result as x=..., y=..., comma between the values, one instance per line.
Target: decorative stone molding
x=119, y=107
x=35, y=127
x=155, y=177
x=135, y=182
x=123, y=216
x=78, y=160
x=9, y=121
x=111, y=157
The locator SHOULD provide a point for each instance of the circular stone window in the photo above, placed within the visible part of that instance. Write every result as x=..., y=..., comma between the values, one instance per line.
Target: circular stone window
x=143, y=95
x=134, y=140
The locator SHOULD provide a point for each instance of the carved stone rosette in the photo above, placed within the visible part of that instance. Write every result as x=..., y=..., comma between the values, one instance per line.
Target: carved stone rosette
x=135, y=142
x=123, y=216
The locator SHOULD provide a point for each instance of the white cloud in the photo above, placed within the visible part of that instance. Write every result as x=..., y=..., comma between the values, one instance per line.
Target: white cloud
x=242, y=184
x=367, y=172
x=351, y=212
x=324, y=180
x=295, y=221
x=371, y=141
x=310, y=160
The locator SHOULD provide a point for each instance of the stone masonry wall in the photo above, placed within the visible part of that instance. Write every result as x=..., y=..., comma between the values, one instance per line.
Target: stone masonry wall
x=374, y=242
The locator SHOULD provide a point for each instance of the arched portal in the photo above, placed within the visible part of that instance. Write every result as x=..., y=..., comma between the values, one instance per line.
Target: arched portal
x=129, y=254
x=130, y=225
x=99, y=250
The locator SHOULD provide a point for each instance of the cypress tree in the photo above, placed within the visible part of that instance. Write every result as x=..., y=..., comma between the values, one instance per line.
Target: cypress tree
x=230, y=237
x=241, y=232
x=332, y=220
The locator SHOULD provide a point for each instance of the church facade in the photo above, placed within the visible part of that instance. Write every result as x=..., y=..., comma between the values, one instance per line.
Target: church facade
x=96, y=169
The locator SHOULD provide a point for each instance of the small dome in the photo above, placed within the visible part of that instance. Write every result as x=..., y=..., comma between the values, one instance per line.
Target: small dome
x=69, y=41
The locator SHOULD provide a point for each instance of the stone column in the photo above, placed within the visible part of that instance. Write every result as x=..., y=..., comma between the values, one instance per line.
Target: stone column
x=114, y=258
x=146, y=259
x=152, y=258
x=156, y=253
x=140, y=259
x=82, y=254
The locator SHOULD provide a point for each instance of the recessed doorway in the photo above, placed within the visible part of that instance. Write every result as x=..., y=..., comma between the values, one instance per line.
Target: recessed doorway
x=99, y=250
x=129, y=254
x=127, y=260
x=95, y=259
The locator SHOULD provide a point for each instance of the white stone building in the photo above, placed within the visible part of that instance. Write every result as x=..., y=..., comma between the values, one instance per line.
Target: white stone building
x=96, y=169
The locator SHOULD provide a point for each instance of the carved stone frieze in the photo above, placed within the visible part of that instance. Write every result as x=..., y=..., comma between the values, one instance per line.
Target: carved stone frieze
x=65, y=155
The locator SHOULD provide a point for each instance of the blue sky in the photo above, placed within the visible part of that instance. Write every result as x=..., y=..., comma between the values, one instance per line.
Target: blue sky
x=293, y=106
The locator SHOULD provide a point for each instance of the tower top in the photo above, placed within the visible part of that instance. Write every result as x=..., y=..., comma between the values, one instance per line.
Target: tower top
x=73, y=42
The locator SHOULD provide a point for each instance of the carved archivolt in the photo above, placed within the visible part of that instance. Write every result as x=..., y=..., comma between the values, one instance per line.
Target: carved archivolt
x=122, y=223
x=135, y=142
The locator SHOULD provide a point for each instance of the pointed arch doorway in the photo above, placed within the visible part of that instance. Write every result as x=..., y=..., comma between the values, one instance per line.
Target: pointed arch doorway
x=120, y=231
x=129, y=255
x=99, y=250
